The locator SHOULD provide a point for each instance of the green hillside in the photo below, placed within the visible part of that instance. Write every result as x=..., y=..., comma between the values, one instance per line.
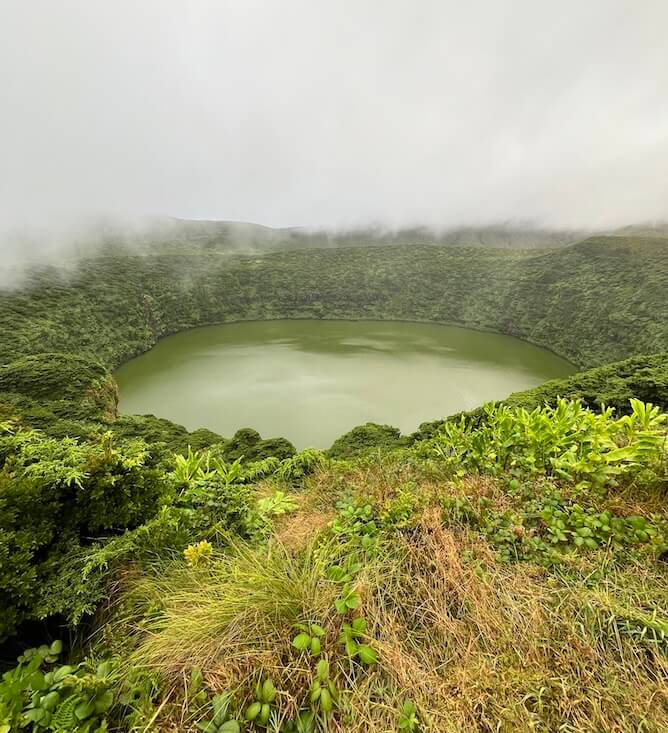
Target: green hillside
x=499, y=570
x=599, y=301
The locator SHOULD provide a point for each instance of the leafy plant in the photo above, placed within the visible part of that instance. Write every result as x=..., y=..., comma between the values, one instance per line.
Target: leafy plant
x=309, y=638
x=59, y=698
x=344, y=573
x=350, y=638
x=198, y=554
x=196, y=691
x=305, y=722
x=301, y=465
x=348, y=600
x=567, y=440
x=323, y=693
x=408, y=720
x=189, y=467
x=71, y=491
x=137, y=691
x=545, y=526
x=276, y=505
x=357, y=523
x=259, y=711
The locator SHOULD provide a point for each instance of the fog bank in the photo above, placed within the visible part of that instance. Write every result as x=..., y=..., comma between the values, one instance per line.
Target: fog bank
x=334, y=115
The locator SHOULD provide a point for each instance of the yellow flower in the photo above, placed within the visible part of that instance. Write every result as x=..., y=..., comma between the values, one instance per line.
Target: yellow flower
x=198, y=554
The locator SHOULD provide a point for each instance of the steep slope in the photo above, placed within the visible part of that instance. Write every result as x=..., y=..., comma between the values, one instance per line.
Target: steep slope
x=601, y=300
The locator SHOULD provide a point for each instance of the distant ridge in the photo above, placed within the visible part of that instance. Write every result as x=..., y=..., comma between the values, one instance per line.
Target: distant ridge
x=168, y=234
x=231, y=236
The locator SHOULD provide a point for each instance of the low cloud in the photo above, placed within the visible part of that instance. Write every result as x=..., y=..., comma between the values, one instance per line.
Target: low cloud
x=334, y=114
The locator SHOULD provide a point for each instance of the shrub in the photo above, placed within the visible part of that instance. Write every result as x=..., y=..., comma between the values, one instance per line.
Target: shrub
x=50, y=697
x=56, y=495
x=365, y=438
x=567, y=441
x=301, y=465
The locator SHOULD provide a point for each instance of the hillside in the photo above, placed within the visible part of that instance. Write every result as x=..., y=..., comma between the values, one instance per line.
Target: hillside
x=500, y=570
x=165, y=234
x=598, y=301
x=505, y=577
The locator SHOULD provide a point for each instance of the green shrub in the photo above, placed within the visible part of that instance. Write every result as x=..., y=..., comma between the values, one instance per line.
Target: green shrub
x=365, y=438
x=542, y=528
x=57, y=376
x=249, y=445
x=567, y=441
x=56, y=495
x=301, y=465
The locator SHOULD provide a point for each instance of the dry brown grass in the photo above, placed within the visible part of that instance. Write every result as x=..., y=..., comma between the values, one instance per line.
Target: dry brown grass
x=297, y=530
x=487, y=647
x=478, y=645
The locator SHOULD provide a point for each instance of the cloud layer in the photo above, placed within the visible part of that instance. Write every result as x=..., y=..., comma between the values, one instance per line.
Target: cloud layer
x=300, y=112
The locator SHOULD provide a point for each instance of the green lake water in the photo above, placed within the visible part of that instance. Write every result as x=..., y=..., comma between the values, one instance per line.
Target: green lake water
x=311, y=381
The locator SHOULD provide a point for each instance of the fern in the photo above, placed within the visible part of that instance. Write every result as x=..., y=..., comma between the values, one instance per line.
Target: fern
x=64, y=720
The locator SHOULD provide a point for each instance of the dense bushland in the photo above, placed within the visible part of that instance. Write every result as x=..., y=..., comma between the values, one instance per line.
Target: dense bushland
x=599, y=301
x=69, y=509
x=612, y=385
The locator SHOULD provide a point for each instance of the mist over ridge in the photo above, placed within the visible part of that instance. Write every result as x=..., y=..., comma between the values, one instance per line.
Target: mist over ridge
x=289, y=114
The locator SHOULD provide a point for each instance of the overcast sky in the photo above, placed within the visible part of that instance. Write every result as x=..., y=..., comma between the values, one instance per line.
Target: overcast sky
x=304, y=112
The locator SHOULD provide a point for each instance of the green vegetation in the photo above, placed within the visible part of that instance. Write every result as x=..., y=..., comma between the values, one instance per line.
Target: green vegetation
x=431, y=587
x=613, y=385
x=595, y=302
x=598, y=301
x=501, y=570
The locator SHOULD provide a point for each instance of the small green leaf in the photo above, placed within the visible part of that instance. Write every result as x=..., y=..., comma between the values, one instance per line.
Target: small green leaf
x=332, y=690
x=359, y=625
x=264, y=713
x=103, y=669
x=196, y=679
x=253, y=710
x=323, y=669
x=56, y=648
x=316, y=691
x=220, y=704
x=326, y=704
x=62, y=672
x=37, y=681
x=35, y=715
x=268, y=691
x=103, y=702
x=315, y=646
x=84, y=709
x=49, y=702
x=230, y=727
x=301, y=642
x=366, y=654
x=207, y=726
x=353, y=601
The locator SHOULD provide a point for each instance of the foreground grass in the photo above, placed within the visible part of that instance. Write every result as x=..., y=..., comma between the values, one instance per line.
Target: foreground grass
x=475, y=642
x=507, y=574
